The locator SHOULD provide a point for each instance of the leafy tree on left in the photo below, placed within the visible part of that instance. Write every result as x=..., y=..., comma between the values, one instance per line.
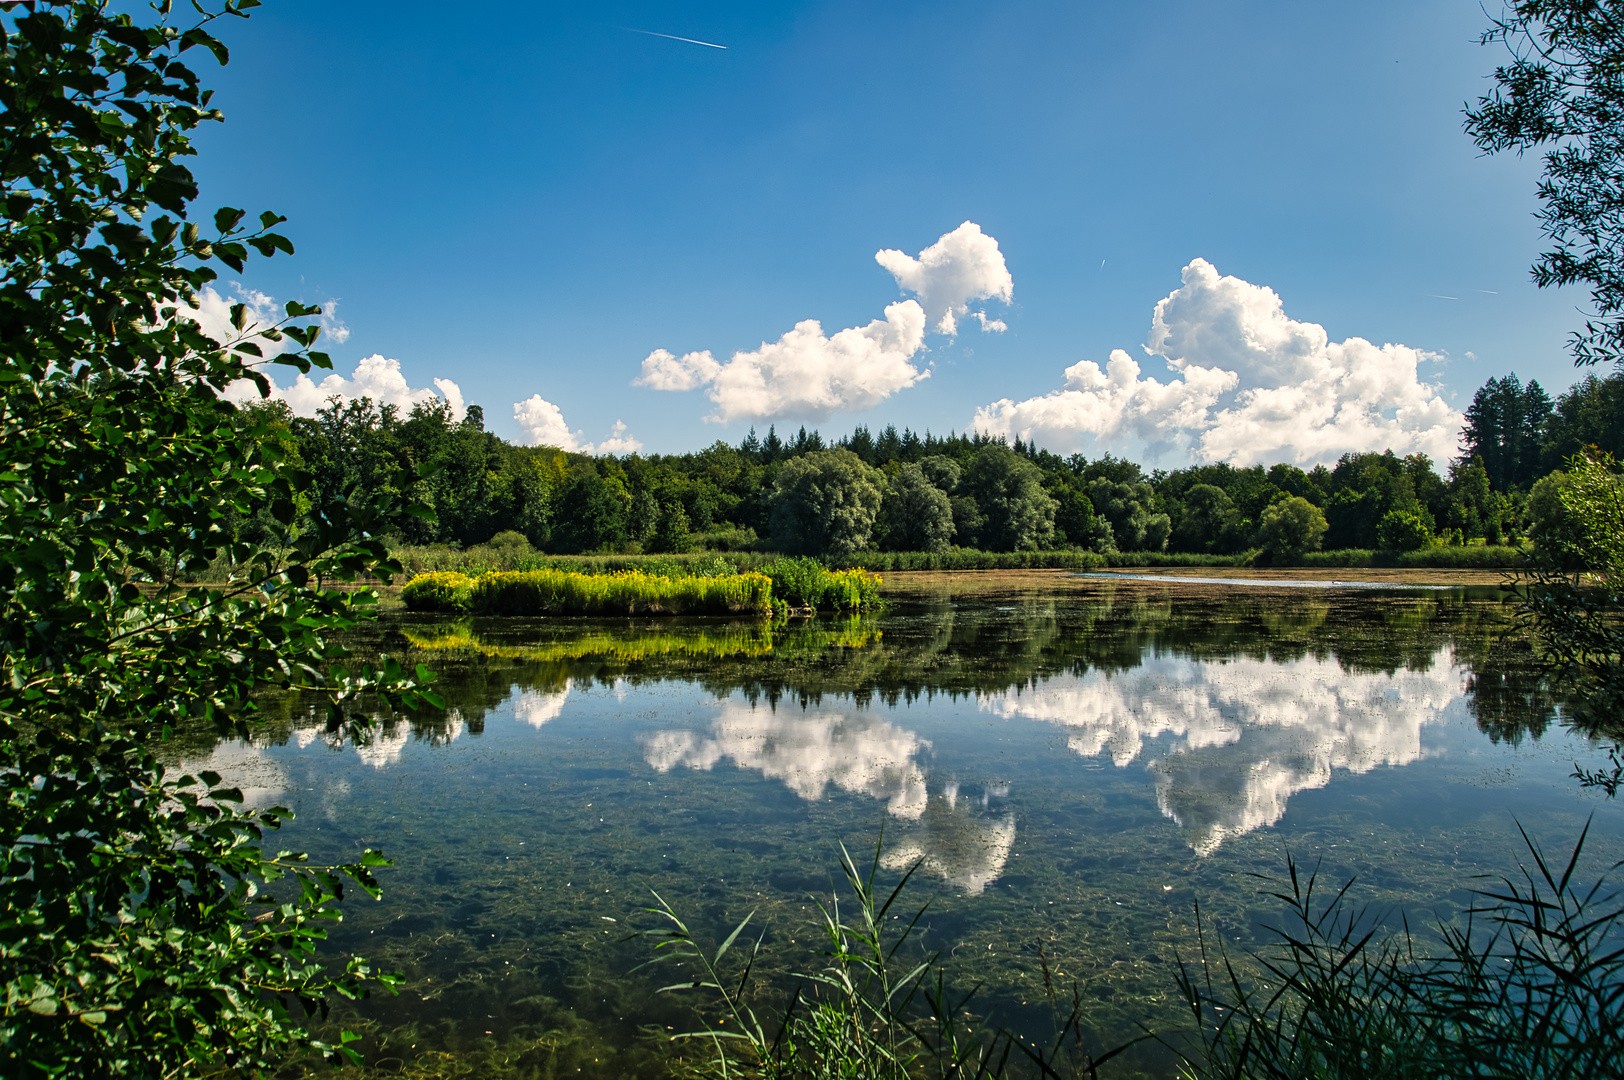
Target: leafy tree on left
x=144, y=929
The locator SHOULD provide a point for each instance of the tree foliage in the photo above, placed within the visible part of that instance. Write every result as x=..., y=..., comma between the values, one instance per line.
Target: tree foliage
x=826, y=503
x=1290, y=527
x=1016, y=514
x=916, y=515
x=1574, y=592
x=144, y=930
x=1562, y=91
x=1503, y=425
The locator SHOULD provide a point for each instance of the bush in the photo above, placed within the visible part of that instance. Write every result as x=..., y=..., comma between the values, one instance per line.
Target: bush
x=1291, y=527
x=1404, y=530
x=444, y=591
x=808, y=583
x=726, y=539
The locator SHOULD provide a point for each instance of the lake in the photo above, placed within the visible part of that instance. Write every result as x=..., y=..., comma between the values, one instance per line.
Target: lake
x=1072, y=761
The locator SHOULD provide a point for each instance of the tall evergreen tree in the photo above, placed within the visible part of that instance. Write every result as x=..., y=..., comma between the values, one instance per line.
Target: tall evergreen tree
x=1503, y=428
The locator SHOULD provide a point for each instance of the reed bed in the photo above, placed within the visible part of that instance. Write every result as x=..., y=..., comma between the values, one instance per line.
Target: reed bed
x=1531, y=985
x=1477, y=557
x=781, y=584
x=628, y=592
x=486, y=558
x=971, y=559
x=1178, y=558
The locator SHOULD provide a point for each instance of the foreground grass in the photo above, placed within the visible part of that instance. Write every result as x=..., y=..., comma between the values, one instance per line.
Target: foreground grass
x=1531, y=985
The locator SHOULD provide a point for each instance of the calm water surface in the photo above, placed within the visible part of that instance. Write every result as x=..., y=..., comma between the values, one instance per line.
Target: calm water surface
x=1073, y=763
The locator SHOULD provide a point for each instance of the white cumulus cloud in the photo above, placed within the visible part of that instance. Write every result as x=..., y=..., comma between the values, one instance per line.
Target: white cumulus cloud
x=541, y=423
x=1249, y=384
x=963, y=265
x=809, y=374
x=803, y=373
x=376, y=377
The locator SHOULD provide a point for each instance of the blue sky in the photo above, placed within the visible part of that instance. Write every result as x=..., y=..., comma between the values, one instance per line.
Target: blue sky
x=529, y=199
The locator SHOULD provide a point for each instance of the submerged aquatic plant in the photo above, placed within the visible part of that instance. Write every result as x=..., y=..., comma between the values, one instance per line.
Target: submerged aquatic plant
x=1538, y=994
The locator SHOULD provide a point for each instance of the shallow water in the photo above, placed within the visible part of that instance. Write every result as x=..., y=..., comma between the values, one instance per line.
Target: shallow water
x=1072, y=762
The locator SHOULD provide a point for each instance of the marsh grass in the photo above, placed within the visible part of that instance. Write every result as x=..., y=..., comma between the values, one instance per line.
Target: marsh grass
x=1531, y=985
x=1431, y=558
x=560, y=592
x=972, y=559
x=1478, y=557
x=706, y=586
x=1178, y=558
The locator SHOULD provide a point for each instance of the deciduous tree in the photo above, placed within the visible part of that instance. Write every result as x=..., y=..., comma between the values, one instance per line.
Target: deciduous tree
x=144, y=930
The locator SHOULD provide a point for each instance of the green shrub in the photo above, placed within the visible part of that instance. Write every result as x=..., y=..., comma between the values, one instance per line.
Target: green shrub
x=443, y=591
x=1404, y=530
x=726, y=539
x=1477, y=557
x=805, y=582
x=1291, y=527
x=1338, y=557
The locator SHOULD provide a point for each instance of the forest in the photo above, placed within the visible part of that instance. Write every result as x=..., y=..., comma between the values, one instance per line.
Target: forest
x=904, y=491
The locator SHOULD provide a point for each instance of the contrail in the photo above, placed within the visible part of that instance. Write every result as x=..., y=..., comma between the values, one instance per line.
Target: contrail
x=1437, y=296
x=673, y=37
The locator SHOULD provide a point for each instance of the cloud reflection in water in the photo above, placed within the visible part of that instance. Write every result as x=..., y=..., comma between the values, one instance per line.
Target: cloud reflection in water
x=1245, y=734
x=857, y=752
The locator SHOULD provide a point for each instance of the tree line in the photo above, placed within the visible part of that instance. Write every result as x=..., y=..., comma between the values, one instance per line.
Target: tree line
x=906, y=491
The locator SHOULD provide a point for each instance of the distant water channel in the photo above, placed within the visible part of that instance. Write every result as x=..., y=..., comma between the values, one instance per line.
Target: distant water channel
x=1073, y=762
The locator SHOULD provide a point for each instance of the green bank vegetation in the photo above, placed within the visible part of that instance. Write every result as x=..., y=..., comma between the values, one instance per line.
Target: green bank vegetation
x=865, y=497
x=922, y=497
x=691, y=588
